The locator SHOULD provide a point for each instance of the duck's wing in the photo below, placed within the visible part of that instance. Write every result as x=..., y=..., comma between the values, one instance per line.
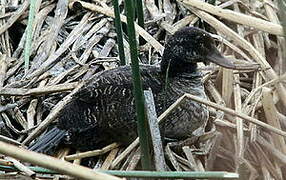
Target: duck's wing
x=105, y=105
x=116, y=84
x=109, y=95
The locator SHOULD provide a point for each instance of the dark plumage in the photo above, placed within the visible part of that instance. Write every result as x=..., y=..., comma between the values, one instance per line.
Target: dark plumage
x=103, y=111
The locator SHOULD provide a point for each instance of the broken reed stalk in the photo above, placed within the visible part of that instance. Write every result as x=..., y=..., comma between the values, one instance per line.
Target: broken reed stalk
x=142, y=123
x=172, y=158
x=257, y=89
x=239, y=122
x=52, y=163
x=237, y=114
x=272, y=118
x=193, y=163
x=21, y=167
x=3, y=68
x=39, y=90
x=239, y=18
x=281, y=157
x=158, y=150
x=282, y=13
x=282, y=7
x=7, y=107
x=118, y=28
x=20, y=11
x=91, y=153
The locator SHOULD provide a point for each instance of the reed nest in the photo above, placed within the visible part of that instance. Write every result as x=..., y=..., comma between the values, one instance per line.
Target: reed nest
x=71, y=41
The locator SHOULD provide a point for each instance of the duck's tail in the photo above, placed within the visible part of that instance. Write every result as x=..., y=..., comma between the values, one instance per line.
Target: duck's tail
x=48, y=141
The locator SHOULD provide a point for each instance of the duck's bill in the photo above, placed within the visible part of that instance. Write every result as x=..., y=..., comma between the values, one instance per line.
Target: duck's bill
x=216, y=57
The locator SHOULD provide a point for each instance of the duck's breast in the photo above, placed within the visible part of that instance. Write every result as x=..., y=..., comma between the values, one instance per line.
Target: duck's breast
x=190, y=118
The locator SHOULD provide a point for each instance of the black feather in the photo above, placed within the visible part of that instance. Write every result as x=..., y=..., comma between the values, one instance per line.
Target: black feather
x=48, y=141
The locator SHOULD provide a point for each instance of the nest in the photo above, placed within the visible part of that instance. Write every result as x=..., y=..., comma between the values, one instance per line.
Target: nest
x=73, y=41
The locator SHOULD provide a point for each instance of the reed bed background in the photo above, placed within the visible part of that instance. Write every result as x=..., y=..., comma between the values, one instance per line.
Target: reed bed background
x=44, y=60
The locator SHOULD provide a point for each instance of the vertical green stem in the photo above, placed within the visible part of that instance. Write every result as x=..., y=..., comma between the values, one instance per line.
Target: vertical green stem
x=140, y=13
x=118, y=27
x=142, y=125
x=28, y=44
x=140, y=16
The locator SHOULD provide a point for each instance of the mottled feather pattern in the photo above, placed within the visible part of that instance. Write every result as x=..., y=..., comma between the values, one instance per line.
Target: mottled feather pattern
x=110, y=103
x=103, y=111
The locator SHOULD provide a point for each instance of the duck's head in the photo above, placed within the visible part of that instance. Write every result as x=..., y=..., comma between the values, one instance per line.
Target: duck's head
x=189, y=46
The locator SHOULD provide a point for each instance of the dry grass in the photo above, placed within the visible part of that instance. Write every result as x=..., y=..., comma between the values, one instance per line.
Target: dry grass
x=72, y=42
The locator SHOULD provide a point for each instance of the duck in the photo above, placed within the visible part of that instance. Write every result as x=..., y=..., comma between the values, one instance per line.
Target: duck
x=103, y=110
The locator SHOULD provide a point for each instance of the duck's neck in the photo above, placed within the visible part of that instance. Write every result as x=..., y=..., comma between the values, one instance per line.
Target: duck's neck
x=176, y=67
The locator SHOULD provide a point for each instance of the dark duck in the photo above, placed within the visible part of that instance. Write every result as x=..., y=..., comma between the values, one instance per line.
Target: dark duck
x=103, y=110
